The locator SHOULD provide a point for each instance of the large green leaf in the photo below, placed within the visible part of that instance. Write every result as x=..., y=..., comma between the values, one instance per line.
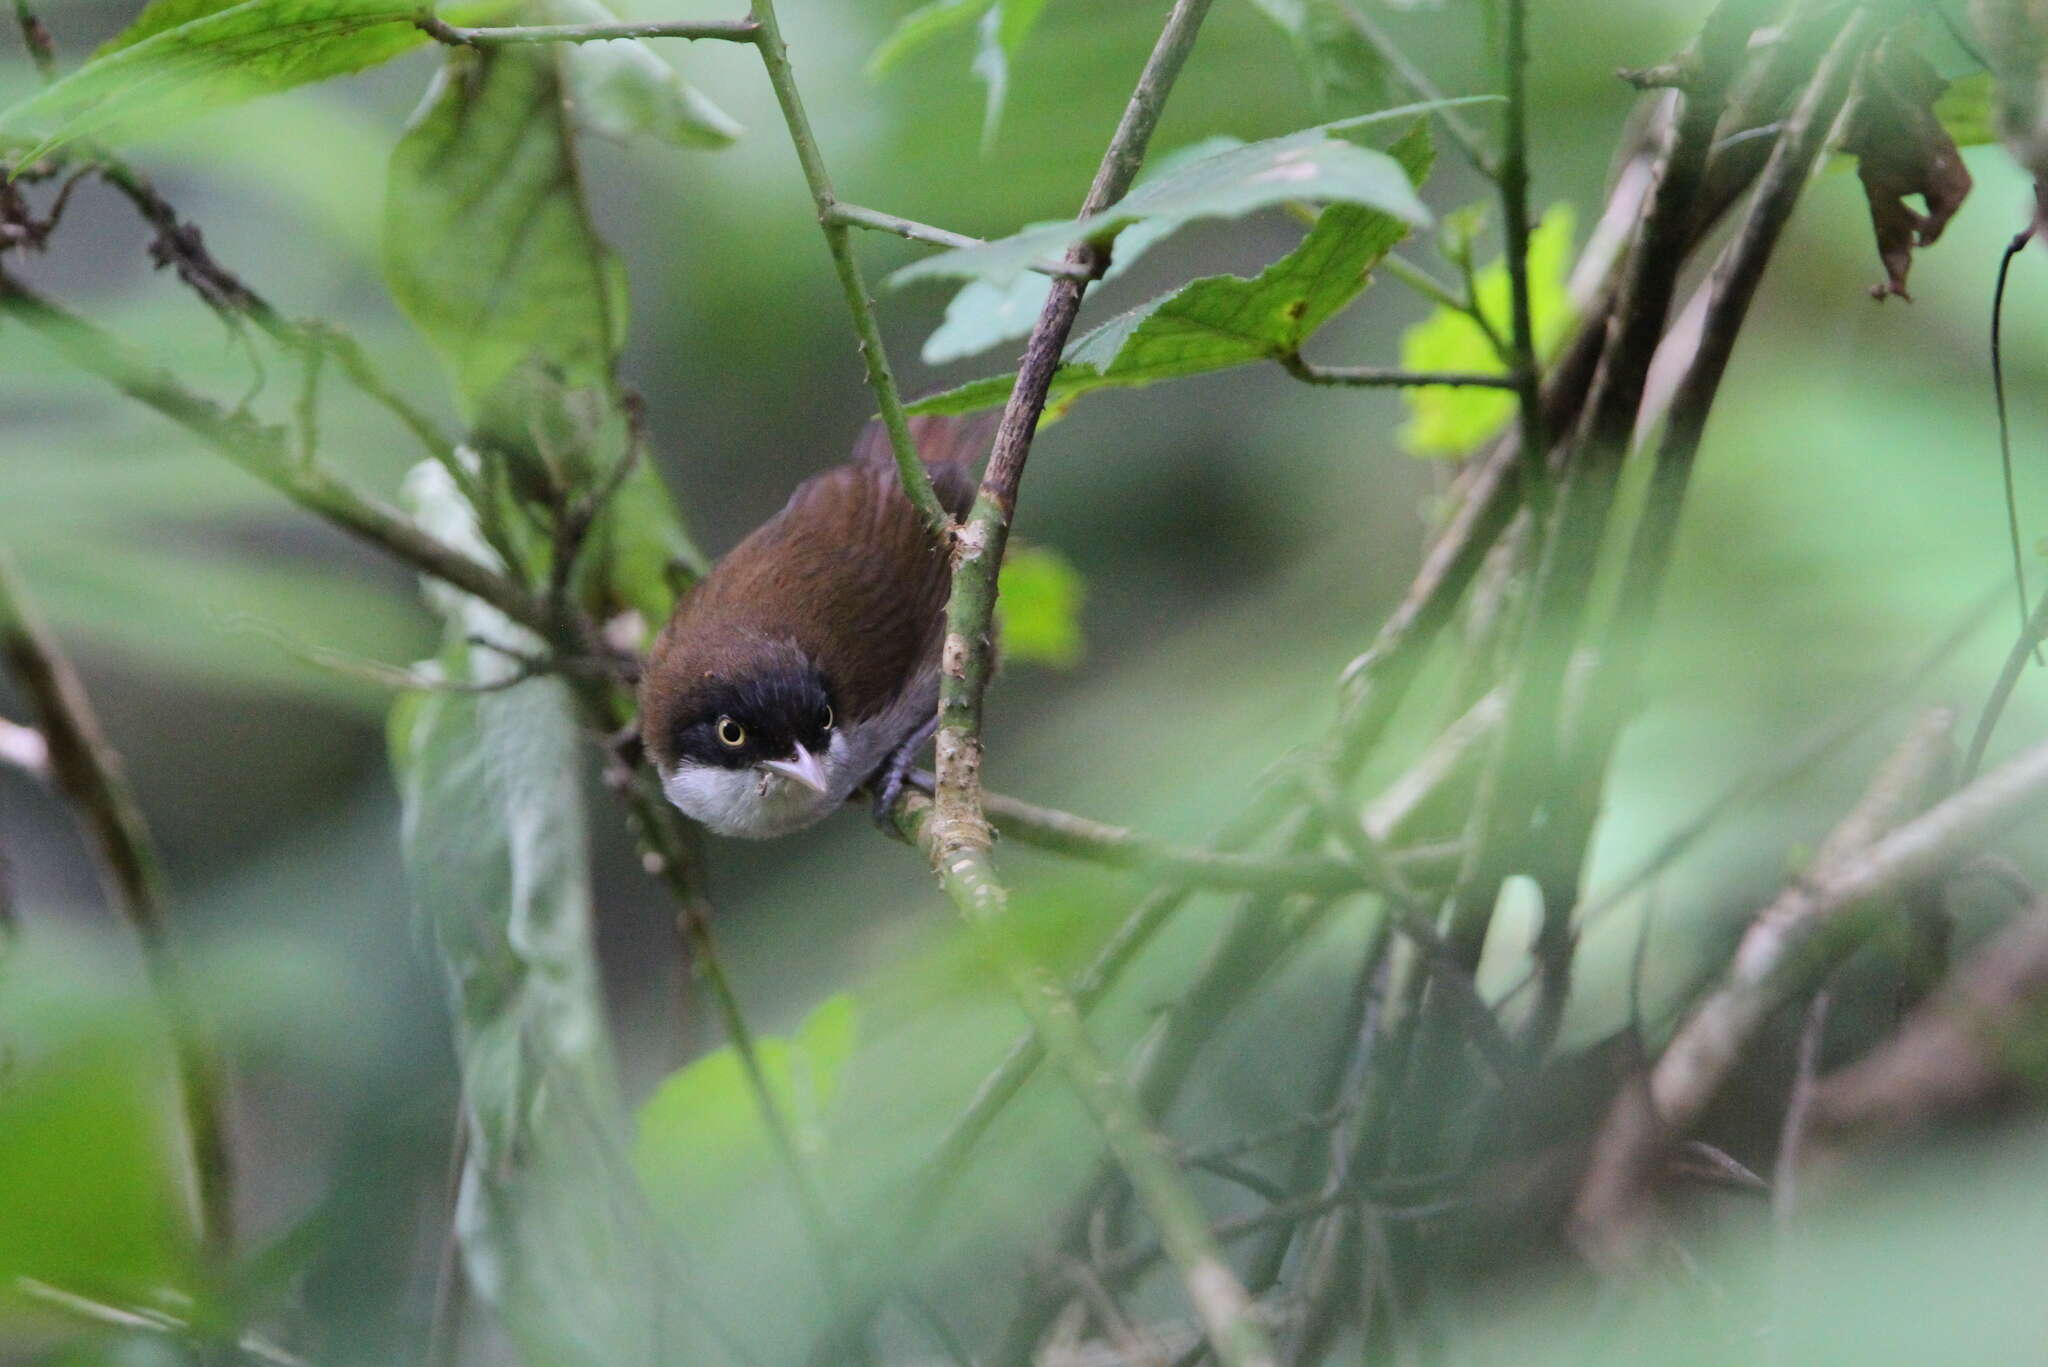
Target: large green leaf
x=489, y=250
x=1225, y=320
x=184, y=58
x=554, y=1231
x=1313, y=166
x=1333, y=53
x=1446, y=421
x=984, y=313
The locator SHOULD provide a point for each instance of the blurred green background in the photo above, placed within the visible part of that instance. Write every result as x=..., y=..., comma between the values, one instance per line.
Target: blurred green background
x=1240, y=538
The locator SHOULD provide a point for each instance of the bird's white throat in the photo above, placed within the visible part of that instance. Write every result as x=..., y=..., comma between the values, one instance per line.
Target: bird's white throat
x=757, y=802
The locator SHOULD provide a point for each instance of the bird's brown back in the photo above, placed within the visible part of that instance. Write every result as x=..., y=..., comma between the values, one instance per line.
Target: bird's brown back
x=847, y=570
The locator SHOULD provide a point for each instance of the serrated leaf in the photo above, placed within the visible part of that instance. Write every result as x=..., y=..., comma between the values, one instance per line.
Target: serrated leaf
x=186, y=58
x=702, y=1128
x=1225, y=320
x=1038, y=608
x=625, y=89
x=1334, y=55
x=489, y=251
x=1446, y=421
x=554, y=1233
x=1312, y=166
x=983, y=313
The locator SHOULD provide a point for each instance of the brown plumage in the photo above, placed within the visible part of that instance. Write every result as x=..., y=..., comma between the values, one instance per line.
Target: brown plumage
x=844, y=591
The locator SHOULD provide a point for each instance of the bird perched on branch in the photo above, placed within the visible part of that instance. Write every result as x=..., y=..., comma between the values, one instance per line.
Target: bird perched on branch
x=806, y=664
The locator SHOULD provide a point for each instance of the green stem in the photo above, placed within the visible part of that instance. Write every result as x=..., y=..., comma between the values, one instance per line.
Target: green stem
x=727, y=30
x=1218, y=1299
x=767, y=37
x=1381, y=377
x=88, y=772
x=856, y=216
x=265, y=452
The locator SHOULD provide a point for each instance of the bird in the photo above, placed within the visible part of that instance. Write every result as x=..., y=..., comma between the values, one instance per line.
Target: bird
x=805, y=664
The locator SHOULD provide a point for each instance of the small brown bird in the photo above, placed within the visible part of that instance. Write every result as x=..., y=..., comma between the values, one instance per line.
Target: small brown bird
x=807, y=662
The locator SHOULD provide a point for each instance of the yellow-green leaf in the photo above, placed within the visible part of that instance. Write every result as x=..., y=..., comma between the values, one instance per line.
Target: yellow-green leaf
x=1038, y=610
x=1452, y=421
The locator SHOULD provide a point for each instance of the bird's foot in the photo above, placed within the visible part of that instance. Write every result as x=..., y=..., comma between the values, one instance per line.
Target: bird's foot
x=896, y=773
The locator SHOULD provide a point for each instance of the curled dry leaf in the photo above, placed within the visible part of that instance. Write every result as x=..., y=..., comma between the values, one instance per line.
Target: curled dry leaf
x=1901, y=149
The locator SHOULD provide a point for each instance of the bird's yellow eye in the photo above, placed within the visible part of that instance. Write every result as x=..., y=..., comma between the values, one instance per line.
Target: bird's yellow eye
x=828, y=716
x=731, y=734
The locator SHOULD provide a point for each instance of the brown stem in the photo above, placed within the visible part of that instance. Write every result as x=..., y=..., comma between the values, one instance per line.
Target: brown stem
x=958, y=821
x=1789, y=946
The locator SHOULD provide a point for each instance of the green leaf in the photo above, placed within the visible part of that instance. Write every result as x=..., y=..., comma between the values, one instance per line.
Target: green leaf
x=1312, y=166
x=1225, y=320
x=983, y=313
x=489, y=250
x=93, y=1198
x=625, y=89
x=184, y=58
x=487, y=247
x=1965, y=110
x=554, y=1232
x=1451, y=421
x=702, y=1129
x=1333, y=54
x=1039, y=607
x=921, y=27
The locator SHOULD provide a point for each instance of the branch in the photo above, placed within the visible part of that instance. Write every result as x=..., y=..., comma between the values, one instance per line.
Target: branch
x=180, y=246
x=88, y=772
x=722, y=30
x=958, y=820
x=1420, y=86
x=1219, y=1301
x=35, y=35
x=881, y=379
x=1513, y=178
x=1379, y=377
x=265, y=452
x=1735, y=280
x=1120, y=847
x=854, y=216
x=1957, y=1051
x=1789, y=947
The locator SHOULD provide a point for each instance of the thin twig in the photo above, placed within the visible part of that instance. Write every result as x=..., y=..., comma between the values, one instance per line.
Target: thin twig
x=1211, y=1288
x=1419, y=85
x=1789, y=946
x=719, y=30
x=855, y=216
x=144, y=1320
x=1513, y=179
x=910, y=469
x=1382, y=377
x=35, y=35
x=1798, y=1114
x=88, y=772
x=265, y=452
